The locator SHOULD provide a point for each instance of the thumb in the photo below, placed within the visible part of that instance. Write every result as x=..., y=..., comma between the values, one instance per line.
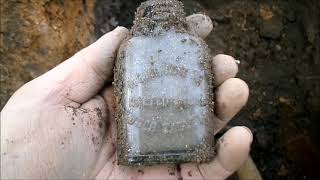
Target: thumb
x=82, y=76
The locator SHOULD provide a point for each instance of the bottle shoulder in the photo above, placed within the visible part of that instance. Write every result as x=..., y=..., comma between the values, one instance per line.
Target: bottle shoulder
x=170, y=40
x=170, y=35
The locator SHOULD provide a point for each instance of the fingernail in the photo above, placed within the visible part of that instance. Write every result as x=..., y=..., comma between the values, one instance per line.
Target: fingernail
x=120, y=32
x=120, y=28
x=249, y=131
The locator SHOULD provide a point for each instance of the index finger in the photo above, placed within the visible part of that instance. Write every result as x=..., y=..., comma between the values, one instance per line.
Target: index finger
x=200, y=25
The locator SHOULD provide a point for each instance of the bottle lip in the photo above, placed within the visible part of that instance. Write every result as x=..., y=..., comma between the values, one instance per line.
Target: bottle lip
x=149, y=8
x=159, y=14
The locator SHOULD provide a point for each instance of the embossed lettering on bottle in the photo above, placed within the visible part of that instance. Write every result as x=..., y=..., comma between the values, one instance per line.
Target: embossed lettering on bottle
x=164, y=90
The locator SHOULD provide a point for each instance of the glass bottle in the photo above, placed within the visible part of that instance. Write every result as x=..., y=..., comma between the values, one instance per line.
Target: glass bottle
x=164, y=90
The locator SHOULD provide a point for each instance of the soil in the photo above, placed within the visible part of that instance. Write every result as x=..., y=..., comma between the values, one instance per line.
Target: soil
x=38, y=35
x=277, y=42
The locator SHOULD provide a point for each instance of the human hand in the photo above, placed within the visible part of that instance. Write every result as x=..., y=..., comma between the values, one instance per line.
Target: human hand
x=59, y=125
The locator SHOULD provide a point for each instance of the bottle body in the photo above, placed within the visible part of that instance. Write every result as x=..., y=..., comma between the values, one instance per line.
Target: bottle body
x=164, y=100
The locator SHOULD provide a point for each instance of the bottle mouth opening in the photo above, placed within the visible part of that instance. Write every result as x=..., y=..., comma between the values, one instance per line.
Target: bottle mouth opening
x=159, y=3
x=159, y=14
x=155, y=9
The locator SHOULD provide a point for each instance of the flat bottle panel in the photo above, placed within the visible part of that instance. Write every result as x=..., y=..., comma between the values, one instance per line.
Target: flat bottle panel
x=165, y=106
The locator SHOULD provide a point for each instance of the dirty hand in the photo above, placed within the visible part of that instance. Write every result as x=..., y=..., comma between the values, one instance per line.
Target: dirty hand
x=59, y=126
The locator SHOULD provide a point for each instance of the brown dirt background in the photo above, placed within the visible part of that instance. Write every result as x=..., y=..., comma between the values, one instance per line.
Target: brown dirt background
x=277, y=42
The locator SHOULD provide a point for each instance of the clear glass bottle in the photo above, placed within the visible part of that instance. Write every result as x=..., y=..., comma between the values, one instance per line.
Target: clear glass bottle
x=164, y=91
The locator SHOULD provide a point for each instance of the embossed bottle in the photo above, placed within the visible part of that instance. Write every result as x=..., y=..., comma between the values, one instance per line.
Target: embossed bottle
x=164, y=90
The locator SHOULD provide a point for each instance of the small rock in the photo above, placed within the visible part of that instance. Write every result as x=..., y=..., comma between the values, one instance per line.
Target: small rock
x=278, y=47
x=283, y=171
x=271, y=28
x=263, y=139
x=258, y=114
x=265, y=12
x=284, y=100
x=291, y=16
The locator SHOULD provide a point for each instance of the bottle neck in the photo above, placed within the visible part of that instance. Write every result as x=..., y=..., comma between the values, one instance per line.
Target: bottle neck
x=156, y=16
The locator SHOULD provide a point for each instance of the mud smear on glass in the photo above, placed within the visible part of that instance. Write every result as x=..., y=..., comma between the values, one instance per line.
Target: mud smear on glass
x=164, y=90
